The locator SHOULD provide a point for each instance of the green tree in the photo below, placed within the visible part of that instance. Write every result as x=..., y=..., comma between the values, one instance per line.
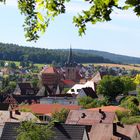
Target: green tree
x=35, y=82
x=99, y=11
x=131, y=103
x=129, y=84
x=29, y=130
x=60, y=116
x=87, y=102
x=137, y=79
x=110, y=87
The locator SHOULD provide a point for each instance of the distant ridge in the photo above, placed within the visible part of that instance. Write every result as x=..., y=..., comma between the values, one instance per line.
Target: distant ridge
x=112, y=56
x=13, y=52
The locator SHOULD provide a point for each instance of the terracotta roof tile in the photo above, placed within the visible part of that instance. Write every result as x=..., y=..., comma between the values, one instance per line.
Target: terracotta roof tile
x=90, y=117
x=49, y=108
x=68, y=82
x=50, y=70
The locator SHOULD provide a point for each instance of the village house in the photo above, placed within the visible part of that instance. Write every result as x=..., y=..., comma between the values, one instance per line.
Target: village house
x=61, y=132
x=25, y=89
x=44, y=111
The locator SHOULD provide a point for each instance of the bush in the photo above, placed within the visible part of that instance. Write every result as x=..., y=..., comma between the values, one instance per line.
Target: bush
x=131, y=120
x=122, y=114
x=60, y=116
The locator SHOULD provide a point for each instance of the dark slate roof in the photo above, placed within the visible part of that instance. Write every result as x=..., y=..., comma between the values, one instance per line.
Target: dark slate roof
x=4, y=106
x=24, y=87
x=62, y=131
x=10, y=131
x=27, y=98
x=90, y=92
x=68, y=132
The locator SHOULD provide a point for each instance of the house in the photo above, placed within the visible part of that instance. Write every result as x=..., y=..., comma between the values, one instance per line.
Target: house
x=4, y=106
x=87, y=117
x=97, y=77
x=27, y=99
x=44, y=111
x=61, y=132
x=87, y=91
x=16, y=116
x=65, y=99
x=11, y=101
x=25, y=89
x=75, y=89
x=114, y=132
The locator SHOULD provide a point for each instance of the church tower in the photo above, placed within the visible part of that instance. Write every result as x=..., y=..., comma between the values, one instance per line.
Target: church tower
x=70, y=67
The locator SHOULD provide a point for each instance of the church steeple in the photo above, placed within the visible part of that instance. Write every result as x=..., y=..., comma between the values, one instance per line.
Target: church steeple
x=70, y=56
x=70, y=62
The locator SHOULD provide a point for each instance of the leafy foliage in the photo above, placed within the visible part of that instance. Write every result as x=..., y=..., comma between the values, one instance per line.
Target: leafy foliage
x=87, y=102
x=137, y=79
x=110, y=87
x=129, y=84
x=31, y=131
x=60, y=116
x=131, y=103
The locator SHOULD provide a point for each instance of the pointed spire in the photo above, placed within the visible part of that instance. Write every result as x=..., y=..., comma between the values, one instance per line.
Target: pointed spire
x=70, y=56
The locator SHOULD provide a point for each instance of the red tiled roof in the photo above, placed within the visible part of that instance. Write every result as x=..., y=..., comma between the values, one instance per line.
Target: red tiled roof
x=50, y=70
x=68, y=82
x=49, y=108
x=90, y=118
x=108, y=108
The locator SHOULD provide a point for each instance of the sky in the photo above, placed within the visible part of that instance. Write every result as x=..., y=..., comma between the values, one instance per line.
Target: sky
x=120, y=36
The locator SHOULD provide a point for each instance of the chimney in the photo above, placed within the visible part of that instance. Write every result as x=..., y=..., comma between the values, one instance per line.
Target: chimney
x=103, y=114
x=17, y=112
x=11, y=114
x=114, y=128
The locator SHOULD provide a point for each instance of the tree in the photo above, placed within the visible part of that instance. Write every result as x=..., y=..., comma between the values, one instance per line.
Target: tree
x=110, y=87
x=88, y=102
x=99, y=11
x=29, y=130
x=60, y=116
x=129, y=84
x=137, y=79
x=131, y=103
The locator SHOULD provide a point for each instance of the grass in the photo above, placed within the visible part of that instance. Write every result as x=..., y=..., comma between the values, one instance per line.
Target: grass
x=18, y=63
x=127, y=67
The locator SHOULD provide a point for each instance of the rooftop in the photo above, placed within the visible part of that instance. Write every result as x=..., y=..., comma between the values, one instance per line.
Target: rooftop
x=87, y=117
x=48, y=109
x=62, y=131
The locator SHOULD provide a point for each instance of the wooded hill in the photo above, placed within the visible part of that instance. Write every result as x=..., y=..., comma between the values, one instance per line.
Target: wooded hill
x=114, y=57
x=14, y=52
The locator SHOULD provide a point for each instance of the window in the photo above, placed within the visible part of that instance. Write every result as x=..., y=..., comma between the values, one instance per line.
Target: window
x=72, y=90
